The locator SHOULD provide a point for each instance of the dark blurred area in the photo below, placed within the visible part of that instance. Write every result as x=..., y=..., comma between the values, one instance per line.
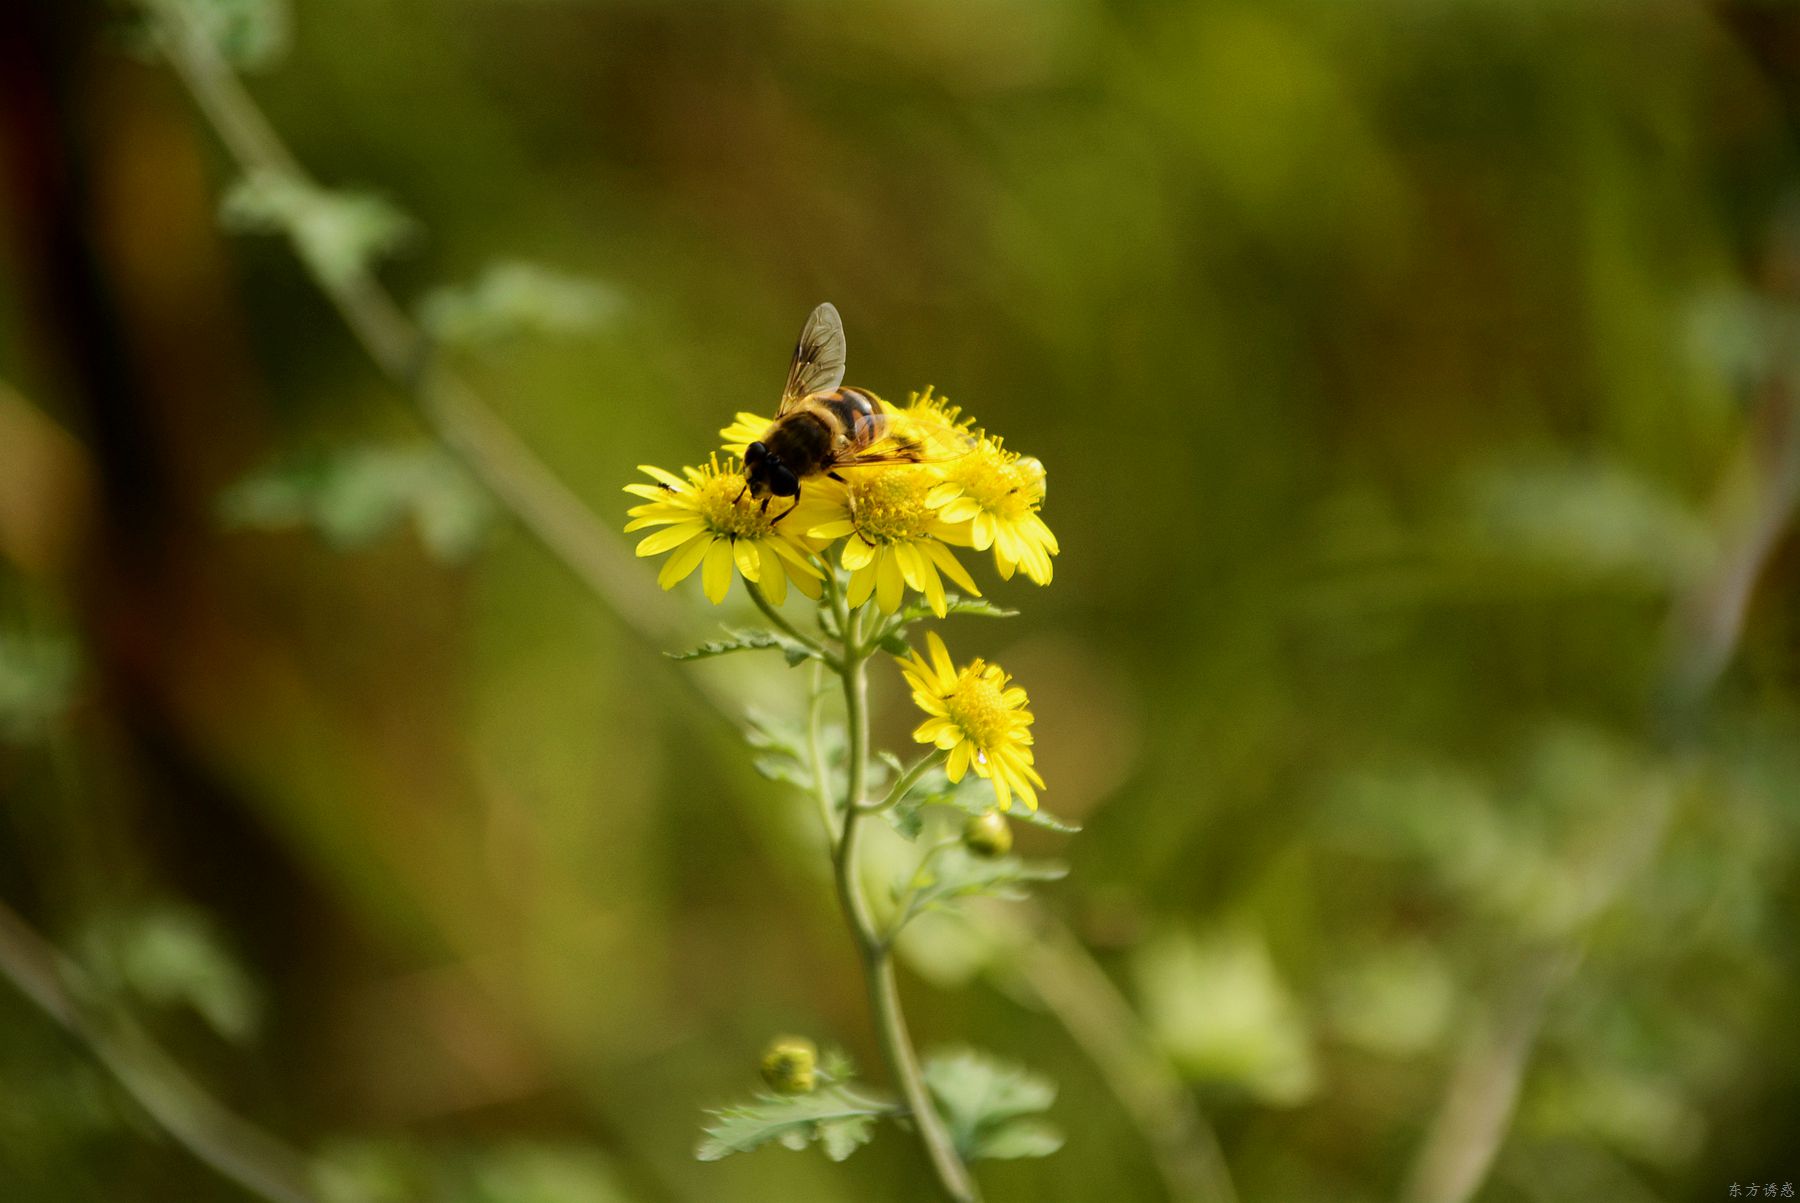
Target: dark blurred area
x=1417, y=388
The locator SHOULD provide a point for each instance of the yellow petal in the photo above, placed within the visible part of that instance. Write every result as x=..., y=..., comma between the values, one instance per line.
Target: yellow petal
x=715, y=572
x=663, y=540
x=774, y=584
x=835, y=529
x=856, y=554
x=890, y=585
x=940, y=659
x=981, y=531
x=669, y=478
x=687, y=557
x=958, y=764
x=953, y=569
x=749, y=560
x=862, y=583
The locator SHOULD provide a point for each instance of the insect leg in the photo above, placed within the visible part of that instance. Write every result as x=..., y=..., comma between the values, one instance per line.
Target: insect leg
x=784, y=513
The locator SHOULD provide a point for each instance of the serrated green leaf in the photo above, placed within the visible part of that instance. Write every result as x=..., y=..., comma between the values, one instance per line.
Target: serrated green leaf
x=985, y=1104
x=954, y=603
x=339, y=234
x=753, y=640
x=353, y=496
x=907, y=817
x=511, y=299
x=837, y=1118
x=955, y=874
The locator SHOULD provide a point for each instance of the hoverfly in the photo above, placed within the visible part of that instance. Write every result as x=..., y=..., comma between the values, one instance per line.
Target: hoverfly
x=823, y=425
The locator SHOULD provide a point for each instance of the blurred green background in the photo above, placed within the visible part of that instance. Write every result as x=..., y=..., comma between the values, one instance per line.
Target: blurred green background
x=1415, y=383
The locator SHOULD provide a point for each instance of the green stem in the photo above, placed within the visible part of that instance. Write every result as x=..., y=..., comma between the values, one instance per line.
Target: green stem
x=878, y=963
x=789, y=629
x=907, y=780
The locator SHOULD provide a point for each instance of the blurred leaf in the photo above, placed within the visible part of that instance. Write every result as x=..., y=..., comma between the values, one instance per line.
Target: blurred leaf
x=541, y=1173
x=750, y=641
x=340, y=234
x=837, y=1118
x=1748, y=337
x=511, y=299
x=954, y=874
x=1219, y=1008
x=985, y=1103
x=356, y=495
x=1396, y=1001
x=173, y=957
x=1584, y=519
x=37, y=681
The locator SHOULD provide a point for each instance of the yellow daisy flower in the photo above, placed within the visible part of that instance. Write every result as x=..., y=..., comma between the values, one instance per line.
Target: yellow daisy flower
x=998, y=493
x=895, y=536
x=979, y=718
x=709, y=522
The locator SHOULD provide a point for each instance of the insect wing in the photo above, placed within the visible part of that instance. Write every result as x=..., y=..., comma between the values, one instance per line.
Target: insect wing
x=899, y=438
x=818, y=363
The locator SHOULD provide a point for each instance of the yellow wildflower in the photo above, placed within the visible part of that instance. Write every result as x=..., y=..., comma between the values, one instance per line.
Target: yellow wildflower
x=979, y=717
x=998, y=493
x=709, y=522
x=895, y=536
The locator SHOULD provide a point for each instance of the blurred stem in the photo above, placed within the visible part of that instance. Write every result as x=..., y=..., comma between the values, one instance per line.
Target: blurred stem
x=877, y=958
x=1052, y=966
x=222, y=1140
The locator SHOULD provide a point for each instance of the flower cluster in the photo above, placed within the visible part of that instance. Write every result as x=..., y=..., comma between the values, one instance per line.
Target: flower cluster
x=898, y=523
x=874, y=533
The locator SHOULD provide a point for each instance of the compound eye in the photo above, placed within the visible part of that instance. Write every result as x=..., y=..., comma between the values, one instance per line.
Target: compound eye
x=754, y=454
x=785, y=485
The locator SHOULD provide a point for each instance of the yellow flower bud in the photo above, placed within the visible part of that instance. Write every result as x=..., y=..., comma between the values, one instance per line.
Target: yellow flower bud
x=789, y=1065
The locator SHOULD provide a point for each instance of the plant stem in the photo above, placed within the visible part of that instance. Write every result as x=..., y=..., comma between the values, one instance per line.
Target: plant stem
x=907, y=780
x=787, y=628
x=877, y=959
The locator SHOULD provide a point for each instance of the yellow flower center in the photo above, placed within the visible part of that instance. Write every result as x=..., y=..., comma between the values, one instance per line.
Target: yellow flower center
x=888, y=506
x=720, y=498
x=975, y=704
x=998, y=481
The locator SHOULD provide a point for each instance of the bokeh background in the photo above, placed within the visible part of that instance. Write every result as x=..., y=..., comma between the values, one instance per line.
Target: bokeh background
x=1415, y=383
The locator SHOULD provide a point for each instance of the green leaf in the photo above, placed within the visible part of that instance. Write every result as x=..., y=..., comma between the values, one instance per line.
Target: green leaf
x=837, y=1118
x=37, y=681
x=511, y=299
x=753, y=640
x=973, y=796
x=172, y=957
x=991, y=1106
x=339, y=234
x=954, y=603
x=955, y=874
x=356, y=495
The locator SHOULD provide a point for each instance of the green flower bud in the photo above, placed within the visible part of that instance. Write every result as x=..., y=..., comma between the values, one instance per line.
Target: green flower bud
x=789, y=1065
x=987, y=834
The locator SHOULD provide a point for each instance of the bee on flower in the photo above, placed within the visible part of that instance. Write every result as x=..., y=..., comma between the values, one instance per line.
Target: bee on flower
x=710, y=524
